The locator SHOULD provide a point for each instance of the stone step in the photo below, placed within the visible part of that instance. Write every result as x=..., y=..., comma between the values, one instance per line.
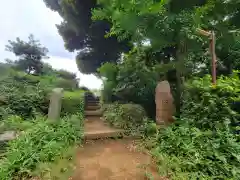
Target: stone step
x=94, y=113
x=91, y=96
x=92, y=101
x=93, y=107
x=103, y=134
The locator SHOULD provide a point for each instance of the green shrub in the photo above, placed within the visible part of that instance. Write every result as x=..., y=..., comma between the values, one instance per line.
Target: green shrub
x=107, y=92
x=210, y=108
x=109, y=71
x=28, y=95
x=73, y=102
x=66, y=84
x=43, y=142
x=22, y=98
x=15, y=123
x=130, y=81
x=126, y=116
x=25, y=78
x=190, y=153
x=203, y=143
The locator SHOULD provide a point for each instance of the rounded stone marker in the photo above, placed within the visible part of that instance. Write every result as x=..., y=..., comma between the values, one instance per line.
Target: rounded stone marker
x=55, y=104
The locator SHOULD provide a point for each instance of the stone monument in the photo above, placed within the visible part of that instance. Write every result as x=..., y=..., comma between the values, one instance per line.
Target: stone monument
x=55, y=104
x=164, y=103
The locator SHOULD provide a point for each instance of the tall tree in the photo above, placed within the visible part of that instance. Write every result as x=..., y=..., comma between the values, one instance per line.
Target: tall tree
x=30, y=54
x=170, y=25
x=87, y=37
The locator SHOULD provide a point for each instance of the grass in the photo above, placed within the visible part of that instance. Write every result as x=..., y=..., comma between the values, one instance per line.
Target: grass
x=61, y=169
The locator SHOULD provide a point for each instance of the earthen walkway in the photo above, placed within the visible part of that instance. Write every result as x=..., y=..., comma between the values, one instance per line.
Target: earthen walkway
x=112, y=160
x=109, y=159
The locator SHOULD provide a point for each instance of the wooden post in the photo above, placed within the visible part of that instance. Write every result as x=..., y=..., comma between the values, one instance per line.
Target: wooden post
x=214, y=59
x=211, y=35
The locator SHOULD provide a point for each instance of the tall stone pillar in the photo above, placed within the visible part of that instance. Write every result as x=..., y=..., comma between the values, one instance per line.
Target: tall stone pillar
x=55, y=104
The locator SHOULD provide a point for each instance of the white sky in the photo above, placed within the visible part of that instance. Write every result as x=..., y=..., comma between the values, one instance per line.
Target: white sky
x=19, y=18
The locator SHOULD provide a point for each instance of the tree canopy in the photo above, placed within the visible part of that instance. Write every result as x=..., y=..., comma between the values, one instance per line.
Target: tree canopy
x=80, y=33
x=30, y=54
x=167, y=23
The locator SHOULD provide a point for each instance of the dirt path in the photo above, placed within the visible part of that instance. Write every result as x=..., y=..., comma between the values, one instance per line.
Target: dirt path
x=112, y=160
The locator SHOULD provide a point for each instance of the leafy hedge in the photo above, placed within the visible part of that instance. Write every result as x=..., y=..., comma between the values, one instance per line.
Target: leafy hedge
x=125, y=116
x=210, y=108
x=22, y=99
x=203, y=143
x=130, y=81
x=72, y=102
x=41, y=142
x=28, y=95
x=45, y=81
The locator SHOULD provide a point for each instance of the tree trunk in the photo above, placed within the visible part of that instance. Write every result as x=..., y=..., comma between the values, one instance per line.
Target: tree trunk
x=180, y=53
x=178, y=92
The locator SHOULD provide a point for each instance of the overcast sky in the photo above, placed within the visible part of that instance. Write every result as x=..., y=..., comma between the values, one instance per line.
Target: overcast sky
x=19, y=18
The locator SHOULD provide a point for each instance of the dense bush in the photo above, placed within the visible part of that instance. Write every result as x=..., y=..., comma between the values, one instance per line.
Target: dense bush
x=43, y=142
x=15, y=123
x=126, y=116
x=46, y=81
x=203, y=143
x=27, y=95
x=109, y=72
x=21, y=98
x=73, y=102
x=130, y=81
x=66, y=84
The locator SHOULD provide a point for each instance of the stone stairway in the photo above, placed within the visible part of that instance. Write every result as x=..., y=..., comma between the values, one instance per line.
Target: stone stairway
x=94, y=126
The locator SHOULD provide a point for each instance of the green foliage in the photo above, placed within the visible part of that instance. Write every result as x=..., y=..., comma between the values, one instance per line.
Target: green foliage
x=22, y=98
x=131, y=81
x=202, y=102
x=49, y=80
x=4, y=69
x=125, y=116
x=187, y=152
x=107, y=91
x=204, y=142
x=150, y=129
x=15, y=123
x=66, y=84
x=109, y=72
x=59, y=78
x=65, y=74
x=73, y=102
x=27, y=95
x=62, y=168
x=169, y=28
x=43, y=142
